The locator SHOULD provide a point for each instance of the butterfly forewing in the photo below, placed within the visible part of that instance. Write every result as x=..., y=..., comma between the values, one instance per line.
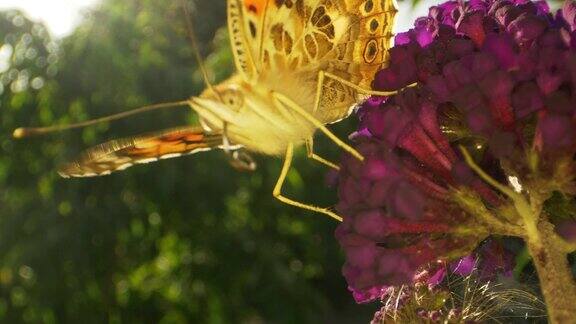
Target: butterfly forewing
x=348, y=38
x=120, y=154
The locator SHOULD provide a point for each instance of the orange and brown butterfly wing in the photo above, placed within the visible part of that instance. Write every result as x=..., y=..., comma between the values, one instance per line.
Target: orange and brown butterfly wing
x=347, y=38
x=121, y=154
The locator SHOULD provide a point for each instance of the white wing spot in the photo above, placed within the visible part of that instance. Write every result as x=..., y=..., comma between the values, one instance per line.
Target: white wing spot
x=169, y=156
x=124, y=166
x=147, y=160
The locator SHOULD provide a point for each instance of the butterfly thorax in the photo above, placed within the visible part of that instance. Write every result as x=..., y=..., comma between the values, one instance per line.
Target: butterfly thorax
x=251, y=115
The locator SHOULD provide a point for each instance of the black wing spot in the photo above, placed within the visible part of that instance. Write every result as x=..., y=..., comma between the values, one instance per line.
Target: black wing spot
x=371, y=51
x=368, y=6
x=374, y=25
x=252, y=27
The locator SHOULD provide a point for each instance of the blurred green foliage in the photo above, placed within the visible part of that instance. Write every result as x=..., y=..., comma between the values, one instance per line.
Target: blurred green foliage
x=185, y=240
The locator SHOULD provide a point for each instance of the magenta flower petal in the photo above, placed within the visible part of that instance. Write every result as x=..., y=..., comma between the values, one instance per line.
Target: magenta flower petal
x=557, y=131
x=368, y=295
x=495, y=259
x=503, y=48
x=482, y=64
x=402, y=39
x=402, y=71
x=560, y=103
x=569, y=14
x=424, y=32
x=526, y=28
x=371, y=224
x=465, y=266
x=472, y=25
x=448, y=13
x=437, y=85
x=527, y=99
x=457, y=75
x=405, y=201
x=437, y=277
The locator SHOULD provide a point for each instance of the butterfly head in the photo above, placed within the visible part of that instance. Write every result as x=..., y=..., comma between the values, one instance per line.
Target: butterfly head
x=231, y=108
x=218, y=108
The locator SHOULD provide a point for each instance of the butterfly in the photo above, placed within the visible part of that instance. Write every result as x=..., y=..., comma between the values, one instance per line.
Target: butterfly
x=301, y=64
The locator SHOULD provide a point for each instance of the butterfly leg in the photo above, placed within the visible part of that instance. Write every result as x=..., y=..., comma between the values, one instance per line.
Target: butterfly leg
x=356, y=87
x=318, y=124
x=313, y=156
x=239, y=159
x=277, y=192
x=242, y=161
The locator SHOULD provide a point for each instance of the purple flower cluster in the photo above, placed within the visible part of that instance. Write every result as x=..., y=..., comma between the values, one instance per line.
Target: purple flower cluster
x=494, y=76
x=499, y=63
x=397, y=215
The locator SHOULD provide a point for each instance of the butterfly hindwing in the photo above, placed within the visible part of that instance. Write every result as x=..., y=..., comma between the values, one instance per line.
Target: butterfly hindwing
x=120, y=154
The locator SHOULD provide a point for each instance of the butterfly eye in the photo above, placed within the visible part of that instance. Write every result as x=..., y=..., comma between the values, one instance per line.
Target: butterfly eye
x=233, y=99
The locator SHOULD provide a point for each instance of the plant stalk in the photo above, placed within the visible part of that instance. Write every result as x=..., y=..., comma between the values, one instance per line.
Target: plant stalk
x=556, y=280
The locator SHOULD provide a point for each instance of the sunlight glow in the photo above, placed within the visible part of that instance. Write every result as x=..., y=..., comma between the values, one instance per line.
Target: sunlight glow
x=5, y=54
x=60, y=16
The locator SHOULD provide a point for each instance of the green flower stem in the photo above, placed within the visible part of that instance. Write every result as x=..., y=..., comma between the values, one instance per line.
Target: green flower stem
x=549, y=251
x=493, y=182
x=474, y=205
x=556, y=280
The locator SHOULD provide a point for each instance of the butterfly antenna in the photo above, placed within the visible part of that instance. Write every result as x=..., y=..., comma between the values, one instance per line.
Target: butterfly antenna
x=195, y=48
x=32, y=131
